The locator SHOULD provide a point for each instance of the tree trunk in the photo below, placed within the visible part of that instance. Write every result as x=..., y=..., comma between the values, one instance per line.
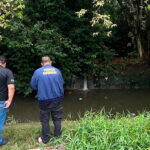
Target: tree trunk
x=148, y=45
x=148, y=35
x=139, y=46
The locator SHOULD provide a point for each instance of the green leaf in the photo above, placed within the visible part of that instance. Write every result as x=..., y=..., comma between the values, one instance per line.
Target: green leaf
x=148, y=7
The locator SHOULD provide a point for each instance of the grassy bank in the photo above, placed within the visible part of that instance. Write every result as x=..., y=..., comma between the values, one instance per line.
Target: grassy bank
x=93, y=132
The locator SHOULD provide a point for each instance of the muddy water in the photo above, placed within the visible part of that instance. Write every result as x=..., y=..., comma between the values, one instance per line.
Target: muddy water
x=25, y=109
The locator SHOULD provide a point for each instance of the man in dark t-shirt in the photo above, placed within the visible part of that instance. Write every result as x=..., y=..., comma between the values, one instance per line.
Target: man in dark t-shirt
x=7, y=89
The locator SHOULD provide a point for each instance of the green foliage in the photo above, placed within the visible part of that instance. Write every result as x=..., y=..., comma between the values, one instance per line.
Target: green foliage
x=148, y=7
x=133, y=54
x=53, y=28
x=135, y=15
x=96, y=131
x=10, y=9
x=56, y=32
x=28, y=46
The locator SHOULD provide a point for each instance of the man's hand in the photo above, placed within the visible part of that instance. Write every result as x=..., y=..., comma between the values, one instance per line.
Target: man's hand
x=7, y=104
x=11, y=90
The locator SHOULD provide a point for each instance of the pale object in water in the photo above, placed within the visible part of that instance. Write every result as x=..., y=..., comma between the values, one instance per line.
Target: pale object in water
x=80, y=99
x=105, y=97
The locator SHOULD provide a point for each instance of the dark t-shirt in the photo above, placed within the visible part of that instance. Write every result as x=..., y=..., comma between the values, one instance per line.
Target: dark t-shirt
x=6, y=78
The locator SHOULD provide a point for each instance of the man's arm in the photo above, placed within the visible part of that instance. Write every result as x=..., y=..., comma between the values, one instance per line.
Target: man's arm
x=11, y=88
x=11, y=91
x=34, y=82
x=61, y=77
x=61, y=83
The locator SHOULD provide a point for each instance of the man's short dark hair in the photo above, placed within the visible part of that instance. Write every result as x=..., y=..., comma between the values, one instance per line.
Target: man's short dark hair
x=3, y=59
x=45, y=59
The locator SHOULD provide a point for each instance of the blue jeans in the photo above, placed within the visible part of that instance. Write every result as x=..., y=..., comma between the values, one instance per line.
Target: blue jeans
x=3, y=112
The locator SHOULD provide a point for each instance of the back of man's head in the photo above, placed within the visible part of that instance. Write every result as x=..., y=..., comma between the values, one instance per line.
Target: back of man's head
x=2, y=60
x=46, y=59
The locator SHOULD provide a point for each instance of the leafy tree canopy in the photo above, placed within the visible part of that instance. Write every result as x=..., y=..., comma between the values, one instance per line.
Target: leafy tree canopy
x=9, y=9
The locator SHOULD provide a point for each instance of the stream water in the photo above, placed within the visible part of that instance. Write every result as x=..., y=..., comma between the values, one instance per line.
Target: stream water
x=25, y=109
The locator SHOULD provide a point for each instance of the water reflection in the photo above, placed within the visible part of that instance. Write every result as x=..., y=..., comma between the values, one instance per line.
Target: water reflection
x=26, y=109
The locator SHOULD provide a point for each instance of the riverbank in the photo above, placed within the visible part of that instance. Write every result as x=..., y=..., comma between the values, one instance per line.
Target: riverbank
x=93, y=132
x=122, y=73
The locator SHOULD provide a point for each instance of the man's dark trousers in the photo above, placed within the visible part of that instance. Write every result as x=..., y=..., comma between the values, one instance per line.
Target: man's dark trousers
x=55, y=109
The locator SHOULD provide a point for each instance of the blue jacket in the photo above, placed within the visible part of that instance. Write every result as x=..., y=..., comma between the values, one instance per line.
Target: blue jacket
x=48, y=82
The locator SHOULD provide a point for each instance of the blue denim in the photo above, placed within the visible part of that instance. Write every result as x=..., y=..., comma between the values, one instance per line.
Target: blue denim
x=3, y=112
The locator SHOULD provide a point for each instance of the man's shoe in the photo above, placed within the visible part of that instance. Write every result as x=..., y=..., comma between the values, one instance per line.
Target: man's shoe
x=4, y=141
x=40, y=140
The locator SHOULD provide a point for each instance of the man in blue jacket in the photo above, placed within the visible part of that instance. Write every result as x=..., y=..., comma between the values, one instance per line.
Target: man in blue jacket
x=48, y=82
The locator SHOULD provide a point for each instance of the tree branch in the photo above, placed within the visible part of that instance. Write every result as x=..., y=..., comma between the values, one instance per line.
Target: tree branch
x=127, y=15
x=141, y=10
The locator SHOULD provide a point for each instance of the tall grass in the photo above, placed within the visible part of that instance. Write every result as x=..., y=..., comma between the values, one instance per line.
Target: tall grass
x=98, y=132
x=95, y=131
